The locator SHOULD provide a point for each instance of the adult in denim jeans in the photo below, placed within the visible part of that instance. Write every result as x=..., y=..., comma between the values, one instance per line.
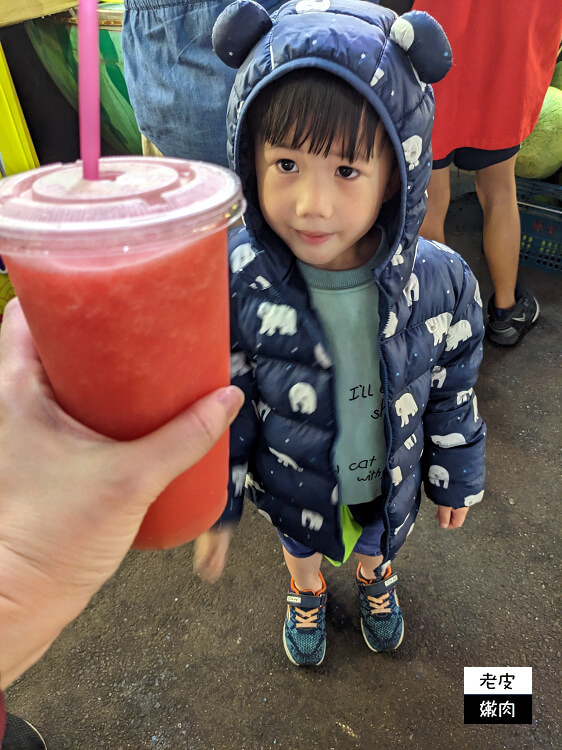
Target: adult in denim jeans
x=178, y=86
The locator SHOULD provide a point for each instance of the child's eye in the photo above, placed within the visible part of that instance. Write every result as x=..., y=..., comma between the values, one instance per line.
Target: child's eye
x=347, y=172
x=287, y=165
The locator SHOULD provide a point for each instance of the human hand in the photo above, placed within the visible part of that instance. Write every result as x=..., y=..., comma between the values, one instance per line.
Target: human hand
x=209, y=556
x=450, y=518
x=71, y=500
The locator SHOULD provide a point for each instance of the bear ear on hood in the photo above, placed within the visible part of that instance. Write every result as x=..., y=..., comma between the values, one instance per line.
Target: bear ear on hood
x=425, y=43
x=238, y=29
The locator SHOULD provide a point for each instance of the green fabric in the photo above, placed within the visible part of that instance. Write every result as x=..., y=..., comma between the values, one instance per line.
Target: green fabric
x=351, y=531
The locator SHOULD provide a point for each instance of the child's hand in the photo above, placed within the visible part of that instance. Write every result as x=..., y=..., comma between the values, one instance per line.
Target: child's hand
x=450, y=518
x=210, y=551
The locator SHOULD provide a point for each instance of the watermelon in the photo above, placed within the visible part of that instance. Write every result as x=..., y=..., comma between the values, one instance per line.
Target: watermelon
x=541, y=153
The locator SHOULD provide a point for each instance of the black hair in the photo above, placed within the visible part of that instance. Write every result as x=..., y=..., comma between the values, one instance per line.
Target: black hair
x=311, y=104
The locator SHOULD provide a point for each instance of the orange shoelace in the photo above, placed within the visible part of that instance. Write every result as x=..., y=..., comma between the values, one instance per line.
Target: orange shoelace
x=379, y=605
x=306, y=618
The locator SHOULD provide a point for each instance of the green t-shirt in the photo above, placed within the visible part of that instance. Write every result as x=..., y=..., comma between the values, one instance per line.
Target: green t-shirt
x=347, y=303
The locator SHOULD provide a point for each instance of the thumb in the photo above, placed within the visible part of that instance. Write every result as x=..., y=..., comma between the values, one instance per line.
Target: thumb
x=184, y=440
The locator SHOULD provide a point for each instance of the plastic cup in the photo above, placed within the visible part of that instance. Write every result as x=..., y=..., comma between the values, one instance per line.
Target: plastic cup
x=124, y=284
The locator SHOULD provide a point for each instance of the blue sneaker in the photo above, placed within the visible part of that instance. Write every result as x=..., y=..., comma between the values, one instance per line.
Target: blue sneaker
x=304, y=632
x=381, y=617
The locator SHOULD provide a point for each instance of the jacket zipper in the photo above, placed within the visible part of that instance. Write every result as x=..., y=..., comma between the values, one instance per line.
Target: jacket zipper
x=384, y=297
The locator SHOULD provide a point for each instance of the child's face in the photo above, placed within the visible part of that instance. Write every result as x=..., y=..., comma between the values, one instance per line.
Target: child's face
x=322, y=207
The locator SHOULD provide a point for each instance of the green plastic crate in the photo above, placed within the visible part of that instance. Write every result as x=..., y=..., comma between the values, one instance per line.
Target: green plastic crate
x=540, y=208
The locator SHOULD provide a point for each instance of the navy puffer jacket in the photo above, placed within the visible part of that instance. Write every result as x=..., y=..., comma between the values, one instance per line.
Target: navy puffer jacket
x=430, y=338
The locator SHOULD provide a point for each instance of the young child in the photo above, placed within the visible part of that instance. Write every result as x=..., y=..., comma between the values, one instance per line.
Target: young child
x=357, y=344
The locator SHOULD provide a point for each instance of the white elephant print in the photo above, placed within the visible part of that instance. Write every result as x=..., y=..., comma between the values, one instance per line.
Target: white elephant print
x=438, y=326
x=238, y=365
x=335, y=495
x=416, y=249
x=412, y=290
x=440, y=246
x=464, y=396
x=376, y=77
x=410, y=442
x=265, y=515
x=438, y=375
x=405, y=407
x=241, y=256
x=438, y=474
x=321, y=356
x=397, y=259
x=253, y=484
x=412, y=150
x=396, y=475
x=402, y=32
x=390, y=327
x=239, y=478
x=285, y=460
x=473, y=499
x=458, y=332
x=410, y=529
x=397, y=529
x=477, y=297
x=312, y=6
x=475, y=408
x=302, y=397
x=262, y=409
x=312, y=520
x=280, y=319
x=449, y=441
x=260, y=282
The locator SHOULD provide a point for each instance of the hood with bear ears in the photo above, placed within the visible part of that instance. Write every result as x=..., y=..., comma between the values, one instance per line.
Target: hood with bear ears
x=388, y=59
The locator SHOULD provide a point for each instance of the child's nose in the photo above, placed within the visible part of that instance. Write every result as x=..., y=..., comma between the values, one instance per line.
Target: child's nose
x=314, y=198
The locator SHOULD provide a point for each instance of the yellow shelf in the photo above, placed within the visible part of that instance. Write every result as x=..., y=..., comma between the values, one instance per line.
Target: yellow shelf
x=15, y=11
x=16, y=147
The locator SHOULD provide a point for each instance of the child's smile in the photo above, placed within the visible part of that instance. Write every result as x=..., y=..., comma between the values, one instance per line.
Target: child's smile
x=324, y=206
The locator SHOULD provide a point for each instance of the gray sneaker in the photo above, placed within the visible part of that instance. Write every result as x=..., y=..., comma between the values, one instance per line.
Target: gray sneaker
x=509, y=330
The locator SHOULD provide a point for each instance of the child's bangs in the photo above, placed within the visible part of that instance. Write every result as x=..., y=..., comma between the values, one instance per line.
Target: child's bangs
x=315, y=107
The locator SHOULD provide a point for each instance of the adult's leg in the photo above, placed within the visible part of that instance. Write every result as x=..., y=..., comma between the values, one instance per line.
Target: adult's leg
x=439, y=196
x=495, y=188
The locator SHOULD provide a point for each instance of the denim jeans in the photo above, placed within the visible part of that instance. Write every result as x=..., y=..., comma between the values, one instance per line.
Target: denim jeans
x=178, y=87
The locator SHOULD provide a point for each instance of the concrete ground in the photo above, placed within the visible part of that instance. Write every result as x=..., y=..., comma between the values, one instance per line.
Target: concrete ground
x=161, y=661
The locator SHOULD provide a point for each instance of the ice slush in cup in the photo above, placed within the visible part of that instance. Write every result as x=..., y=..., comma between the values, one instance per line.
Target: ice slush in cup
x=124, y=284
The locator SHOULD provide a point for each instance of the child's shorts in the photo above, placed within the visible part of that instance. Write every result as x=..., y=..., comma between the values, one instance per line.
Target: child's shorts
x=369, y=515
x=472, y=159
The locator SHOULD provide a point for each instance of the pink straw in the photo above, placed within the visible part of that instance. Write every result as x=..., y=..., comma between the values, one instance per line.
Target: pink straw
x=89, y=88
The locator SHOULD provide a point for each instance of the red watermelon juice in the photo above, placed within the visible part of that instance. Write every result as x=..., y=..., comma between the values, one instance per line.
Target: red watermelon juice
x=129, y=308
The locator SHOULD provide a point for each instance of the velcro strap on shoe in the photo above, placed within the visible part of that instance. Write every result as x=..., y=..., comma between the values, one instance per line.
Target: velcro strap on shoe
x=379, y=588
x=306, y=601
